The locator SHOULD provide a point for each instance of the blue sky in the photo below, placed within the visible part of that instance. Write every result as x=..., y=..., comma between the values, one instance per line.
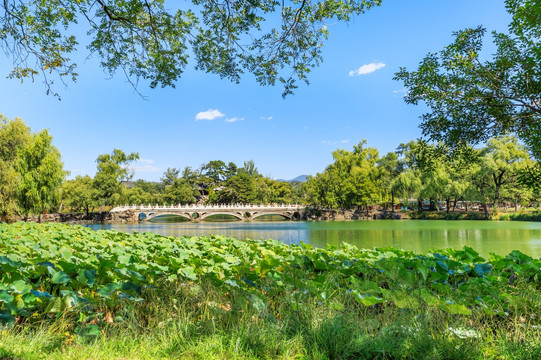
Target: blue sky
x=351, y=96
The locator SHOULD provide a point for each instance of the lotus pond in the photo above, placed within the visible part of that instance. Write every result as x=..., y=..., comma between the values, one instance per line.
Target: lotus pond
x=272, y=300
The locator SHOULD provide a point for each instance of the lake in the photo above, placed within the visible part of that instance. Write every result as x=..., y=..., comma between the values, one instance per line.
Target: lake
x=417, y=235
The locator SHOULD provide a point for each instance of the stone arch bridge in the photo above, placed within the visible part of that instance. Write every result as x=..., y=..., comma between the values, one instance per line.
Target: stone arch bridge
x=196, y=213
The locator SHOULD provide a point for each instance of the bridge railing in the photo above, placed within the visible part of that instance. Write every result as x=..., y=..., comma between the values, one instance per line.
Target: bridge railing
x=209, y=207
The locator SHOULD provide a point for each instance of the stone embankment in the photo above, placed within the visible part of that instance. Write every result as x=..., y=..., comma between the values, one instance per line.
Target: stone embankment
x=339, y=215
x=104, y=217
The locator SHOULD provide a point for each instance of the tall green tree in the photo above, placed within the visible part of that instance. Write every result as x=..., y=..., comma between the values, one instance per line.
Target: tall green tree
x=113, y=170
x=41, y=174
x=351, y=181
x=170, y=175
x=390, y=168
x=498, y=169
x=240, y=188
x=14, y=137
x=79, y=194
x=181, y=192
x=152, y=40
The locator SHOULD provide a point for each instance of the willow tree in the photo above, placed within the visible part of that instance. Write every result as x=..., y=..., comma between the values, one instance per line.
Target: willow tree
x=277, y=41
x=31, y=170
x=14, y=135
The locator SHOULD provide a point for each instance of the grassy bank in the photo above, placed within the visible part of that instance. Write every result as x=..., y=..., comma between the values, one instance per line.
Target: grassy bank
x=442, y=215
x=535, y=216
x=71, y=293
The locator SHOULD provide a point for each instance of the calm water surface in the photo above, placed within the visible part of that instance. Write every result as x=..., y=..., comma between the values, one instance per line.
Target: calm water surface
x=417, y=235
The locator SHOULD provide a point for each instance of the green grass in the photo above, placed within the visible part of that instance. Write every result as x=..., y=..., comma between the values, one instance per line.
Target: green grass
x=232, y=299
x=442, y=215
x=522, y=217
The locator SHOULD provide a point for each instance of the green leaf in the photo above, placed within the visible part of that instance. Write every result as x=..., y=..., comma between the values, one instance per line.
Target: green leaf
x=429, y=298
x=5, y=296
x=109, y=289
x=189, y=273
x=55, y=306
x=124, y=259
x=453, y=308
x=85, y=277
x=58, y=277
x=7, y=320
x=423, y=270
x=21, y=287
x=482, y=269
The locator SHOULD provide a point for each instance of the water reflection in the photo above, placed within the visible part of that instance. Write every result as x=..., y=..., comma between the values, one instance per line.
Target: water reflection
x=416, y=235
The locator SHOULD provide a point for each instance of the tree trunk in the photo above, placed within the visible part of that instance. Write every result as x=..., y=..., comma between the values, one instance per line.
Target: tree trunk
x=61, y=204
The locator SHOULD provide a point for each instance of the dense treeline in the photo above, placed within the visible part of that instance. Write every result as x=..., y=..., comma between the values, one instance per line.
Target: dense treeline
x=419, y=175
x=214, y=182
x=421, y=172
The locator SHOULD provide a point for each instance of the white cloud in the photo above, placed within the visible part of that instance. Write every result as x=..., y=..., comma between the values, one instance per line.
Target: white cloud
x=233, y=119
x=210, y=114
x=345, y=141
x=266, y=117
x=367, y=69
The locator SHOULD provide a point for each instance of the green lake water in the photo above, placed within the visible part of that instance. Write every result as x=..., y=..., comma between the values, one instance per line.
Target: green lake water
x=417, y=235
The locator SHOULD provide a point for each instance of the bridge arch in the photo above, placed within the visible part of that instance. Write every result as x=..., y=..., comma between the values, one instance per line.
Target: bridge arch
x=152, y=215
x=283, y=214
x=237, y=215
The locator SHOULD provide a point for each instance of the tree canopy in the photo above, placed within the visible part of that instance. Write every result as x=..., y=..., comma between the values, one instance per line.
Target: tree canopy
x=113, y=170
x=470, y=99
x=277, y=41
x=31, y=170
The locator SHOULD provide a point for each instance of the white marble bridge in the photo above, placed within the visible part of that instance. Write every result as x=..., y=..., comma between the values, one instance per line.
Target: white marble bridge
x=195, y=212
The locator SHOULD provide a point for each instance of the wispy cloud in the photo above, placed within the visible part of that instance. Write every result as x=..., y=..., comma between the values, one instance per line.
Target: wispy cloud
x=404, y=91
x=336, y=142
x=233, y=119
x=145, y=165
x=367, y=69
x=146, y=161
x=210, y=114
x=266, y=117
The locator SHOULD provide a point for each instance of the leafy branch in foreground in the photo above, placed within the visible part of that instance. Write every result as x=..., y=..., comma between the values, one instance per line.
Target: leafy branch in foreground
x=151, y=40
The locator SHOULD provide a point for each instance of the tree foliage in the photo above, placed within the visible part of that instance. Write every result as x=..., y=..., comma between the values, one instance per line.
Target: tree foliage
x=113, y=170
x=79, y=194
x=472, y=100
x=31, y=170
x=152, y=40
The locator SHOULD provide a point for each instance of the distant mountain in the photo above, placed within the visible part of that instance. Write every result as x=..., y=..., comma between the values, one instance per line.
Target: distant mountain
x=300, y=178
